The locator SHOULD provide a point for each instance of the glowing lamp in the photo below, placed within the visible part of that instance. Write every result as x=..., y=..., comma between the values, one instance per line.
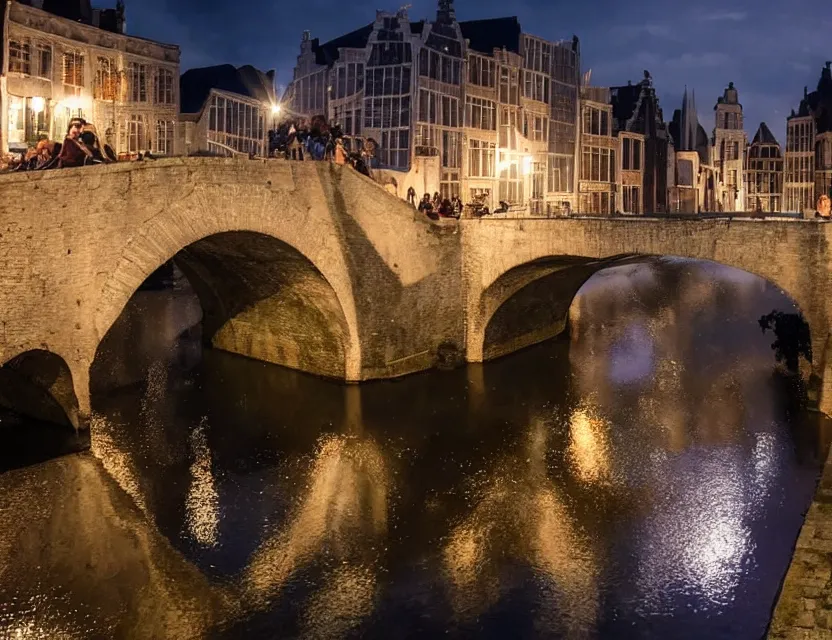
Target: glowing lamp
x=38, y=104
x=527, y=165
x=275, y=109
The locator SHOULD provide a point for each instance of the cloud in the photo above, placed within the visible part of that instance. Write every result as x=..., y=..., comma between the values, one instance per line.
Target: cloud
x=698, y=61
x=725, y=16
x=628, y=33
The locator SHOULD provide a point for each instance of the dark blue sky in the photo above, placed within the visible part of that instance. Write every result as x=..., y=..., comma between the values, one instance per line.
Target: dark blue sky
x=770, y=49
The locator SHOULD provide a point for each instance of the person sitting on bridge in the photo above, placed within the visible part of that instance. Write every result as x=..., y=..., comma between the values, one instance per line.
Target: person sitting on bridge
x=824, y=208
x=74, y=153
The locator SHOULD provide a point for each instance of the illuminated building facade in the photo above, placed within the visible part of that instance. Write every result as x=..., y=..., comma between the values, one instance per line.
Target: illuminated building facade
x=764, y=173
x=474, y=109
x=226, y=110
x=729, y=147
x=643, y=141
x=78, y=62
x=808, y=155
x=597, y=177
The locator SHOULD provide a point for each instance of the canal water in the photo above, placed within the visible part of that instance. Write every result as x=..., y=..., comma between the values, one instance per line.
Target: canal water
x=643, y=477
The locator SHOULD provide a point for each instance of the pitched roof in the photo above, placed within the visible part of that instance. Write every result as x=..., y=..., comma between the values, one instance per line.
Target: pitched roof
x=196, y=84
x=764, y=135
x=496, y=33
x=327, y=53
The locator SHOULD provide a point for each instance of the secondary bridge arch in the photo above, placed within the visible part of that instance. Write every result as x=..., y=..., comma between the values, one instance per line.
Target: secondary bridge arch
x=504, y=257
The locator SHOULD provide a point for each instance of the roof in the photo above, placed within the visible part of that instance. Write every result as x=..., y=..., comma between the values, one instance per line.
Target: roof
x=624, y=101
x=196, y=84
x=496, y=33
x=764, y=135
x=327, y=53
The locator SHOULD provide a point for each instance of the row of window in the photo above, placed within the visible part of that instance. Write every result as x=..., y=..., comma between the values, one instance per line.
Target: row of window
x=536, y=127
x=387, y=81
x=597, y=164
x=480, y=113
x=631, y=150
x=395, y=148
x=389, y=53
x=729, y=150
x=597, y=202
x=799, y=199
x=437, y=66
x=132, y=83
x=111, y=83
x=349, y=79
x=387, y=112
x=800, y=169
x=237, y=121
x=438, y=109
x=800, y=137
x=729, y=120
x=482, y=71
x=595, y=121
x=482, y=159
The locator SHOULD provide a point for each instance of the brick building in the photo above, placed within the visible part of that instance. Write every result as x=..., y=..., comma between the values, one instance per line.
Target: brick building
x=808, y=155
x=729, y=143
x=477, y=109
x=65, y=59
x=226, y=110
x=764, y=173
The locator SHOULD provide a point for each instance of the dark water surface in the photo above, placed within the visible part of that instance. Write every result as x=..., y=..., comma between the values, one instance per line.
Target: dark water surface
x=643, y=478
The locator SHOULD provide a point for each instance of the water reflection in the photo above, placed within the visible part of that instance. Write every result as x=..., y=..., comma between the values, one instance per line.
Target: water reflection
x=638, y=478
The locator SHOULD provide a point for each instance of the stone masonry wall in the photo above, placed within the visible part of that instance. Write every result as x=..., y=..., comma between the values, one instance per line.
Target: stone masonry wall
x=75, y=244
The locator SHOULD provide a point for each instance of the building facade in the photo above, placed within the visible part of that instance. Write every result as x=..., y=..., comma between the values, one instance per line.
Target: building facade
x=764, y=173
x=692, y=175
x=474, y=109
x=226, y=110
x=56, y=67
x=598, y=145
x=808, y=154
x=643, y=137
x=729, y=147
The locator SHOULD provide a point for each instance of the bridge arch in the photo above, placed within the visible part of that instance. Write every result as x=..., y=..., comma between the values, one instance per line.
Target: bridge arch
x=504, y=256
x=248, y=268
x=39, y=384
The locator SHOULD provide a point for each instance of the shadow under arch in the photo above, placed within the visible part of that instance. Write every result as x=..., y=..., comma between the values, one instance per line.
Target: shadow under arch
x=39, y=411
x=38, y=384
x=531, y=302
x=260, y=297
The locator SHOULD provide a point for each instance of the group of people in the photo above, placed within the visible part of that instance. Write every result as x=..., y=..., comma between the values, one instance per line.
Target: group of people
x=436, y=207
x=315, y=139
x=80, y=147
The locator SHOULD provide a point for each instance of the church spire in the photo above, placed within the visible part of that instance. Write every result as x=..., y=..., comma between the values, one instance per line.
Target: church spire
x=689, y=126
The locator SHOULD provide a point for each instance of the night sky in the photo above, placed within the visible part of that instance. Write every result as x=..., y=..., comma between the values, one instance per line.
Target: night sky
x=770, y=49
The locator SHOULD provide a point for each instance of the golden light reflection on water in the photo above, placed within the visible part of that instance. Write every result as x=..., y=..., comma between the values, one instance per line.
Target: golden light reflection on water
x=343, y=508
x=202, y=503
x=118, y=462
x=521, y=515
x=589, y=446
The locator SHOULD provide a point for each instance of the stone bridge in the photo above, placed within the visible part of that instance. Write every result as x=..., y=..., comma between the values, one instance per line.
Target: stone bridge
x=315, y=267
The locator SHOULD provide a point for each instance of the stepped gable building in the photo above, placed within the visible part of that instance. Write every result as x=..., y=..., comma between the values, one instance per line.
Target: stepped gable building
x=729, y=144
x=693, y=188
x=764, y=174
x=808, y=154
x=477, y=109
x=226, y=110
x=65, y=59
x=643, y=141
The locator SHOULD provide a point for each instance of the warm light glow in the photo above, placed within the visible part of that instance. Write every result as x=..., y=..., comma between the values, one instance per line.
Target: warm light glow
x=588, y=448
x=275, y=109
x=38, y=104
x=73, y=102
x=527, y=165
